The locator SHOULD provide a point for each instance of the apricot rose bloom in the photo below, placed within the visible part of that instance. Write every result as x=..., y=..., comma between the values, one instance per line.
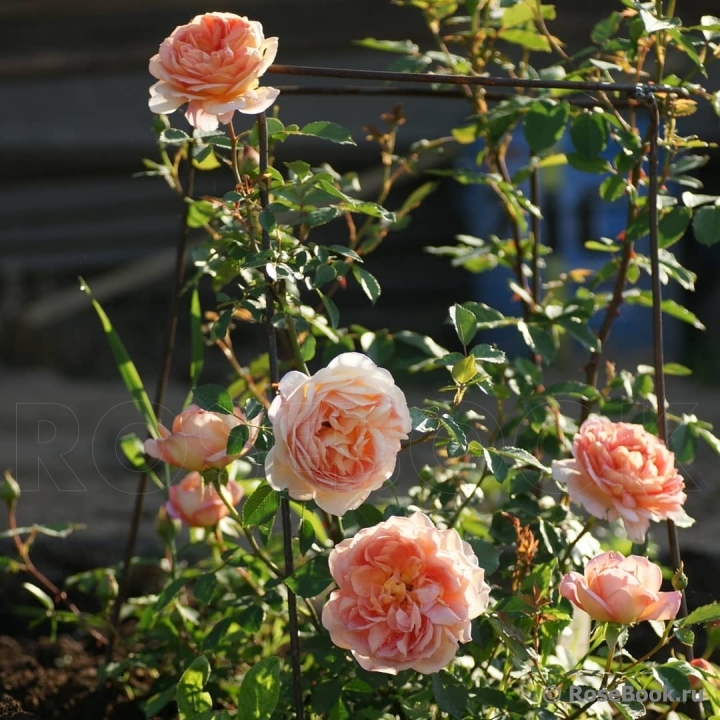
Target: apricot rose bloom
x=619, y=470
x=337, y=433
x=198, y=440
x=407, y=593
x=214, y=64
x=199, y=505
x=621, y=589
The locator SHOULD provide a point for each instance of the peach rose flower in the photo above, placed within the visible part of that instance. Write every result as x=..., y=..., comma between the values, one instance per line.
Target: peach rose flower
x=337, y=433
x=407, y=593
x=621, y=589
x=198, y=440
x=198, y=504
x=619, y=470
x=213, y=63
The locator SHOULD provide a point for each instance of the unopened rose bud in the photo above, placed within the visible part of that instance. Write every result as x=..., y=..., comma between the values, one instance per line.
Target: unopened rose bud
x=9, y=489
x=707, y=669
x=679, y=580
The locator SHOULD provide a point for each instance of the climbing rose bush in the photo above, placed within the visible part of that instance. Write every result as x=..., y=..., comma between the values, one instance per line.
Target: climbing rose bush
x=213, y=64
x=620, y=470
x=407, y=593
x=621, y=589
x=337, y=433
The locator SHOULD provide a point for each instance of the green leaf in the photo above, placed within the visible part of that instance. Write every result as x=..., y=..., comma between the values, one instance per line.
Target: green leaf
x=487, y=353
x=522, y=457
x=417, y=196
x=213, y=398
x=311, y=578
x=683, y=442
x=196, y=338
x=306, y=536
x=529, y=39
x=394, y=46
x=370, y=286
x=710, y=439
x=450, y=694
x=464, y=370
x=706, y=225
x=174, y=136
x=454, y=430
x=464, y=322
x=538, y=339
x=589, y=134
x=192, y=701
x=158, y=701
x=544, y=124
x=573, y=388
x=653, y=23
x=685, y=636
x=487, y=554
x=606, y=28
x=581, y=332
x=200, y=213
x=261, y=506
x=327, y=130
x=703, y=614
x=260, y=690
x=127, y=369
x=330, y=308
x=631, y=710
x=54, y=530
x=595, y=165
x=204, y=587
x=308, y=348
x=237, y=438
x=612, y=188
x=673, y=224
x=674, y=680
x=325, y=274
x=41, y=595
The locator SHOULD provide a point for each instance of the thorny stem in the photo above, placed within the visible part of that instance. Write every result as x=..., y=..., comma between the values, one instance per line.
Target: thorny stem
x=29, y=566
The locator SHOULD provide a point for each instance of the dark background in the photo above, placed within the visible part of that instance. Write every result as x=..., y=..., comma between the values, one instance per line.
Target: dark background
x=75, y=127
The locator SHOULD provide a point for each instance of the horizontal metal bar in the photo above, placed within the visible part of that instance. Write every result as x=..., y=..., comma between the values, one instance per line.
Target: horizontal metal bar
x=403, y=91
x=639, y=91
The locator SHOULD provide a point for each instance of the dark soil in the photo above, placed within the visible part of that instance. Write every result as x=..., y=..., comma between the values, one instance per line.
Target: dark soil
x=53, y=681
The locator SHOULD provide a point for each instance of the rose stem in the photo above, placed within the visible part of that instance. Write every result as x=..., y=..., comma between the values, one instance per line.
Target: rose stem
x=29, y=566
x=185, y=192
x=673, y=541
x=274, y=379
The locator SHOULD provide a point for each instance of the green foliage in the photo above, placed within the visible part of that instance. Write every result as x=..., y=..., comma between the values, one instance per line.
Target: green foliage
x=493, y=424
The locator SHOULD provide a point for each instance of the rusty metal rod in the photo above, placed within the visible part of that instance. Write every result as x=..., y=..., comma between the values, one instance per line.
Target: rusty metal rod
x=641, y=92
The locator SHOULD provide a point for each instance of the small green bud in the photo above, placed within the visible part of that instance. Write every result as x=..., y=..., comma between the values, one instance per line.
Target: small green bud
x=680, y=579
x=9, y=489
